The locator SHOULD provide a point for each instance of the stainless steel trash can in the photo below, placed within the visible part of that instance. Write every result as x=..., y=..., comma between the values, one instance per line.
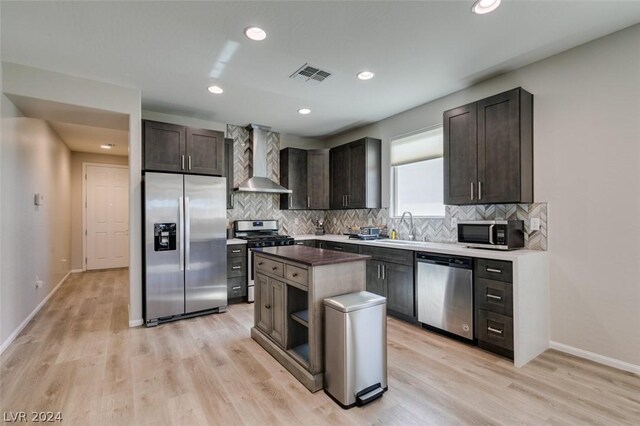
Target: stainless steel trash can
x=355, y=348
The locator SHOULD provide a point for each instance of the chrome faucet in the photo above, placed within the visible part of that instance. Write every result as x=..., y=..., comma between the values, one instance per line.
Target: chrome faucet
x=412, y=230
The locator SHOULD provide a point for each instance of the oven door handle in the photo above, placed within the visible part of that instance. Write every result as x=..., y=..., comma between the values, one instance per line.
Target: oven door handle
x=491, y=234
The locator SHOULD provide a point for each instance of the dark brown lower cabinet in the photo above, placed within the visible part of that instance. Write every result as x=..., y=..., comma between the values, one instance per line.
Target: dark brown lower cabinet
x=228, y=170
x=493, y=284
x=393, y=281
x=236, y=273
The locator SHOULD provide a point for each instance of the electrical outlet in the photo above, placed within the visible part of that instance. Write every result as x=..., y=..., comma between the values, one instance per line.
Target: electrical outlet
x=454, y=221
x=39, y=283
x=534, y=224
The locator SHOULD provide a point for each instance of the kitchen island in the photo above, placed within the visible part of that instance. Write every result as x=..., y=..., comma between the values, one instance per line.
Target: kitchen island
x=291, y=283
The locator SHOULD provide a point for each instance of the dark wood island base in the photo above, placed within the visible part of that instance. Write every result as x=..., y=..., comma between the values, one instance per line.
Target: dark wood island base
x=291, y=283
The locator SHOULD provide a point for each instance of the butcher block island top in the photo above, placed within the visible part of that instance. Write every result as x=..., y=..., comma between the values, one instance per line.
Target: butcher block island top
x=311, y=256
x=291, y=283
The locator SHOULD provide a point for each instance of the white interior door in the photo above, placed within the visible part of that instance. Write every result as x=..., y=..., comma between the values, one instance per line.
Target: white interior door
x=107, y=217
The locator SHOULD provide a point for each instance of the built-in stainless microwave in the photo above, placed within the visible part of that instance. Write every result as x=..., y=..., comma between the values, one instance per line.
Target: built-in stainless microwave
x=492, y=234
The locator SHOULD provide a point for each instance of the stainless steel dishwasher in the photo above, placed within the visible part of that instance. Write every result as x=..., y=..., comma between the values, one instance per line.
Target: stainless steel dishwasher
x=445, y=293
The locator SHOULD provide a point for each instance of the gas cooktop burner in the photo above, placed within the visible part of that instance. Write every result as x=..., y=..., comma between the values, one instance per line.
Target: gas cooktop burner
x=261, y=233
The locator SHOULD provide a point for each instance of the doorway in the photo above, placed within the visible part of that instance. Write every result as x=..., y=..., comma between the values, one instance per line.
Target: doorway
x=106, y=216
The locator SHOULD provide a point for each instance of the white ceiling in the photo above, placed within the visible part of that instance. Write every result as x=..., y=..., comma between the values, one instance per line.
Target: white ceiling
x=82, y=129
x=419, y=51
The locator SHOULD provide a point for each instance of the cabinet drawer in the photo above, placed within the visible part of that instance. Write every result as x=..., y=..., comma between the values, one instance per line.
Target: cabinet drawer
x=236, y=287
x=236, y=267
x=270, y=266
x=494, y=296
x=494, y=269
x=295, y=274
x=237, y=250
x=495, y=329
x=403, y=257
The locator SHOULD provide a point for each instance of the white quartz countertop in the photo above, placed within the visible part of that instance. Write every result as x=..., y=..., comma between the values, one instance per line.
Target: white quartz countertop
x=231, y=241
x=443, y=248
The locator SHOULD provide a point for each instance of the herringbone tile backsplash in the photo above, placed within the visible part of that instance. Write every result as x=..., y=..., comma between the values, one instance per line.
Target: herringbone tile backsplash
x=267, y=206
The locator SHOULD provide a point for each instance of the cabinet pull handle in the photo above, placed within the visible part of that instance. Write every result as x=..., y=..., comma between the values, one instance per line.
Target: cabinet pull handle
x=182, y=162
x=267, y=306
x=494, y=330
x=347, y=201
x=497, y=271
x=260, y=263
x=379, y=271
x=295, y=274
x=493, y=296
x=289, y=200
x=308, y=202
x=471, y=197
x=189, y=162
x=236, y=287
x=384, y=272
x=236, y=267
x=479, y=190
x=274, y=268
x=337, y=248
x=236, y=251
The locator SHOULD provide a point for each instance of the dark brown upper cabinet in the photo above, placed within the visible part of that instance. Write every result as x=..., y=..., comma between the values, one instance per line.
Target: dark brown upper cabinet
x=306, y=173
x=488, y=150
x=355, y=175
x=318, y=179
x=293, y=176
x=174, y=148
x=228, y=170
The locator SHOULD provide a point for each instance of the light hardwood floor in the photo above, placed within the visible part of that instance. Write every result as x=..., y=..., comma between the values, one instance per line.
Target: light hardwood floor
x=78, y=356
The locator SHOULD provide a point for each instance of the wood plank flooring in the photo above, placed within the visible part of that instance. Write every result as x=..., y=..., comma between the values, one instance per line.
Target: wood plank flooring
x=78, y=356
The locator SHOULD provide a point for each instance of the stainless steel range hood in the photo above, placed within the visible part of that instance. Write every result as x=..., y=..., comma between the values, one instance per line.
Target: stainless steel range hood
x=259, y=182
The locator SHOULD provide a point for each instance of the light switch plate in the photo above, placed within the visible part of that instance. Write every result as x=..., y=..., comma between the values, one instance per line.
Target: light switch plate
x=454, y=221
x=38, y=199
x=534, y=224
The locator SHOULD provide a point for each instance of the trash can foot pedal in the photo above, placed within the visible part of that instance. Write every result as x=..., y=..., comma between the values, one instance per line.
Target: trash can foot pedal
x=369, y=394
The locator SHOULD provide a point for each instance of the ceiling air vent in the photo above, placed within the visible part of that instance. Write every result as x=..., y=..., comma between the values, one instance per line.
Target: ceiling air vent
x=310, y=74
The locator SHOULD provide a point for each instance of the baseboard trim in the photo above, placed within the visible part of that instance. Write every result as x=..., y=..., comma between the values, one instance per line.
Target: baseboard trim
x=600, y=359
x=136, y=323
x=24, y=323
x=76, y=271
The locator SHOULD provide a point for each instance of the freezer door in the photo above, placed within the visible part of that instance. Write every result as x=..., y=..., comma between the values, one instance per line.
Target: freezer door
x=445, y=298
x=163, y=229
x=205, y=242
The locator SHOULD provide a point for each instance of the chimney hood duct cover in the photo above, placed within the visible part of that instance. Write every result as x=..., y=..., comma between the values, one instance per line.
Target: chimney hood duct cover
x=259, y=182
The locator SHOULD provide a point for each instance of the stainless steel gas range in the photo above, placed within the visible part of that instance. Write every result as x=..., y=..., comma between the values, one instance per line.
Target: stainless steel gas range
x=258, y=233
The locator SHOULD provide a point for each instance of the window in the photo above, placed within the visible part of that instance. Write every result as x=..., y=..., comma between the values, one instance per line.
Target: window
x=417, y=173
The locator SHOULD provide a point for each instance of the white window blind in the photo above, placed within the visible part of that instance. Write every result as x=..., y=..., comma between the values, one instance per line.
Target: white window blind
x=420, y=146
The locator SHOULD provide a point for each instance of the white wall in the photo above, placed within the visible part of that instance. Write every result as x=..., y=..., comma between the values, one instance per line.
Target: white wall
x=48, y=85
x=77, y=231
x=36, y=241
x=587, y=167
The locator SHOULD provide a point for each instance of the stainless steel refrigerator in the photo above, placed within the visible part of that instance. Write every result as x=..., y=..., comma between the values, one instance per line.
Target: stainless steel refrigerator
x=185, y=253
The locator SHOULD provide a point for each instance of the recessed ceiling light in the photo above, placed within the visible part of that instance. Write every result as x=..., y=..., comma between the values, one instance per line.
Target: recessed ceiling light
x=304, y=111
x=216, y=90
x=365, y=75
x=107, y=145
x=481, y=7
x=255, y=33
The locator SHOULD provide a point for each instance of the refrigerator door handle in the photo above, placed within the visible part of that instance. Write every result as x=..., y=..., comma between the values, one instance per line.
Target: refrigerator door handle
x=181, y=228
x=187, y=234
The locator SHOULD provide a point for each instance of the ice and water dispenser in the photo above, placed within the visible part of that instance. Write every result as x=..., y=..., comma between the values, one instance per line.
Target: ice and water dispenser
x=164, y=236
